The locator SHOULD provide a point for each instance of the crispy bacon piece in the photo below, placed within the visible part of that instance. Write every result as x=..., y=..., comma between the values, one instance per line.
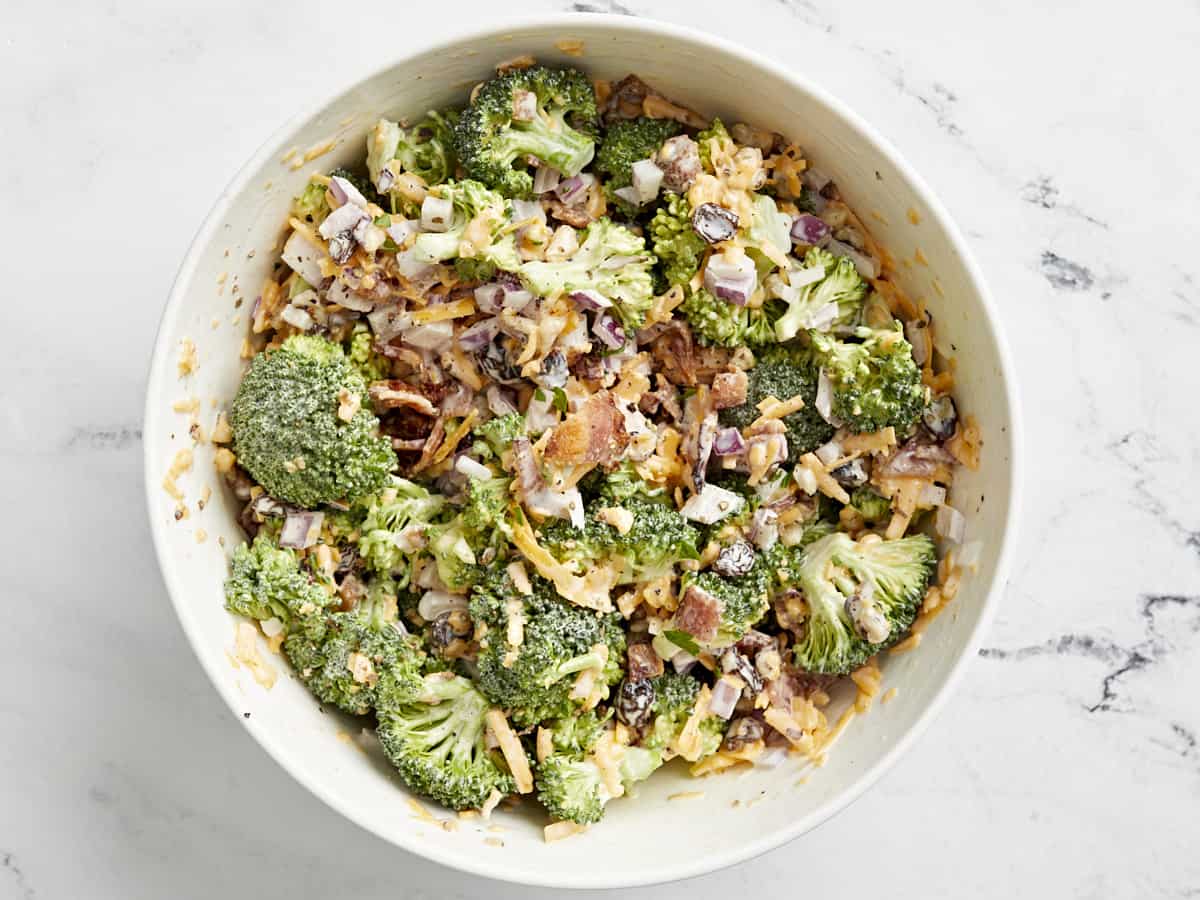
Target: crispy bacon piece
x=395, y=394
x=729, y=389
x=698, y=614
x=915, y=459
x=432, y=443
x=595, y=433
x=626, y=99
x=643, y=662
x=675, y=352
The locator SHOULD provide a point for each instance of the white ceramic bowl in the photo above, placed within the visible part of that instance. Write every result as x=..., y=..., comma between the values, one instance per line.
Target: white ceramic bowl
x=650, y=839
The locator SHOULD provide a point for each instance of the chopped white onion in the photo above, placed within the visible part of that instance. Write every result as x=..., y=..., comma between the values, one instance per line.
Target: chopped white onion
x=433, y=603
x=712, y=505
x=411, y=264
x=517, y=300
x=304, y=257
x=545, y=179
x=771, y=758
x=629, y=194
x=725, y=694
x=342, y=219
x=931, y=495
x=968, y=556
x=432, y=336
x=297, y=318
x=305, y=298
x=950, y=524
x=344, y=192
x=827, y=453
x=824, y=398
x=683, y=662
x=798, y=278
x=271, y=627
x=566, y=504
x=489, y=298
x=472, y=468
x=301, y=529
x=815, y=179
x=388, y=321
x=820, y=319
x=866, y=266
x=764, y=528
x=402, y=229
x=732, y=281
x=436, y=213
x=499, y=401
x=525, y=210
x=341, y=294
x=647, y=178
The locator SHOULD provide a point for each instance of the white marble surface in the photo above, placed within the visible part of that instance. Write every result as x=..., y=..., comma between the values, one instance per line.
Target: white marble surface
x=1061, y=137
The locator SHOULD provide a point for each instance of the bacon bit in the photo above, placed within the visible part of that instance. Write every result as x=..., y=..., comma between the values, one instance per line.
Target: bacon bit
x=657, y=107
x=675, y=352
x=395, y=394
x=826, y=483
x=593, y=434
x=431, y=445
x=179, y=465
x=188, y=361
x=729, y=389
x=510, y=746
x=348, y=404
x=643, y=662
x=698, y=614
x=221, y=433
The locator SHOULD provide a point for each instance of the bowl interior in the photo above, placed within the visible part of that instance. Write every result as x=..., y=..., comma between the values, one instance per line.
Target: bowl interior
x=650, y=836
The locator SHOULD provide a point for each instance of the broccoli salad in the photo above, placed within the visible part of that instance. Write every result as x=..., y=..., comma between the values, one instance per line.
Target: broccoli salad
x=581, y=433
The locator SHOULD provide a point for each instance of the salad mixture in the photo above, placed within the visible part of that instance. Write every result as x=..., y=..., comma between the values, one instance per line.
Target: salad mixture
x=581, y=432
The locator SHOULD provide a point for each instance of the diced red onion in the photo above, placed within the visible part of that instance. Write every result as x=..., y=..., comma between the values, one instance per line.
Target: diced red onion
x=524, y=210
x=808, y=229
x=297, y=318
x=303, y=256
x=764, y=528
x=815, y=179
x=572, y=189
x=472, y=468
x=433, y=336
x=647, y=179
x=824, y=399
x=344, y=192
x=341, y=220
x=609, y=331
x=433, y=603
x=729, y=442
x=628, y=194
x=865, y=265
x=436, y=213
x=712, y=504
x=529, y=477
x=388, y=321
x=489, y=298
x=301, y=529
x=725, y=695
x=500, y=400
x=546, y=179
x=683, y=662
x=950, y=524
x=402, y=229
x=827, y=453
x=589, y=299
x=931, y=495
x=340, y=293
x=730, y=281
x=479, y=335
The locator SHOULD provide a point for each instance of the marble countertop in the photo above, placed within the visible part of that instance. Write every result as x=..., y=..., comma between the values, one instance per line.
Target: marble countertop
x=1068, y=765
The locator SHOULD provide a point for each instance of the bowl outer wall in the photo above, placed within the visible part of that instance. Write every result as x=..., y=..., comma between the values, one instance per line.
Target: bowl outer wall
x=656, y=840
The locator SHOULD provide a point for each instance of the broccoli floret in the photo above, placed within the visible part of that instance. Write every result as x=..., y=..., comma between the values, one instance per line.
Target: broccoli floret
x=875, y=382
x=392, y=533
x=504, y=125
x=458, y=546
x=471, y=200
x=742, y=600
x=366, y=360
x=625, y=142
x=674, y=701
x=717, y=322
x=614, y=487
x=474, y=269
x=783, y=373
x=426, y=149
x=870, y=505
x=769, y=225
x=436, y=741
x=499, y=433
x=658, y=538
x=613, y=261
x=678, y=248
x=840, y=284
x=266, y=582
x=287, y=432
x=862, y=598
x=576, y=735
x=345, y=665
x=310, y=205
x=533, y=680
x=714, y=132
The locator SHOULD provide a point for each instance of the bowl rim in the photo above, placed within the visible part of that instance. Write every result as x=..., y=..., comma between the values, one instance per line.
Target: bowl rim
x=507, y=867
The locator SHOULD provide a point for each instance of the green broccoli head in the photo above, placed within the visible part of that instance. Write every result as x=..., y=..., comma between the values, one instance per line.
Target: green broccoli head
x=436, y=742
x=426, y=149
x=840, y=284
x=347, y=664
x=458, y=546
x=716, y=322
x=783, y=373
x=870, y=505
x=549, y=114
x=678, y=248
x=625, y=142
x=862, y=597
x=674, y=701
x=470, y=199
x=288, y=434
x=576, y=735
x=366, y=360
x=571, y=789
x=614, y=486
x=612, y=260
x=658, y=538
x=392, y=534
x=499, y=433
x=533, y=680
x=311, y=205
x=474, y=269
x=266, y=582
x=742, y=601
x=875, y=381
